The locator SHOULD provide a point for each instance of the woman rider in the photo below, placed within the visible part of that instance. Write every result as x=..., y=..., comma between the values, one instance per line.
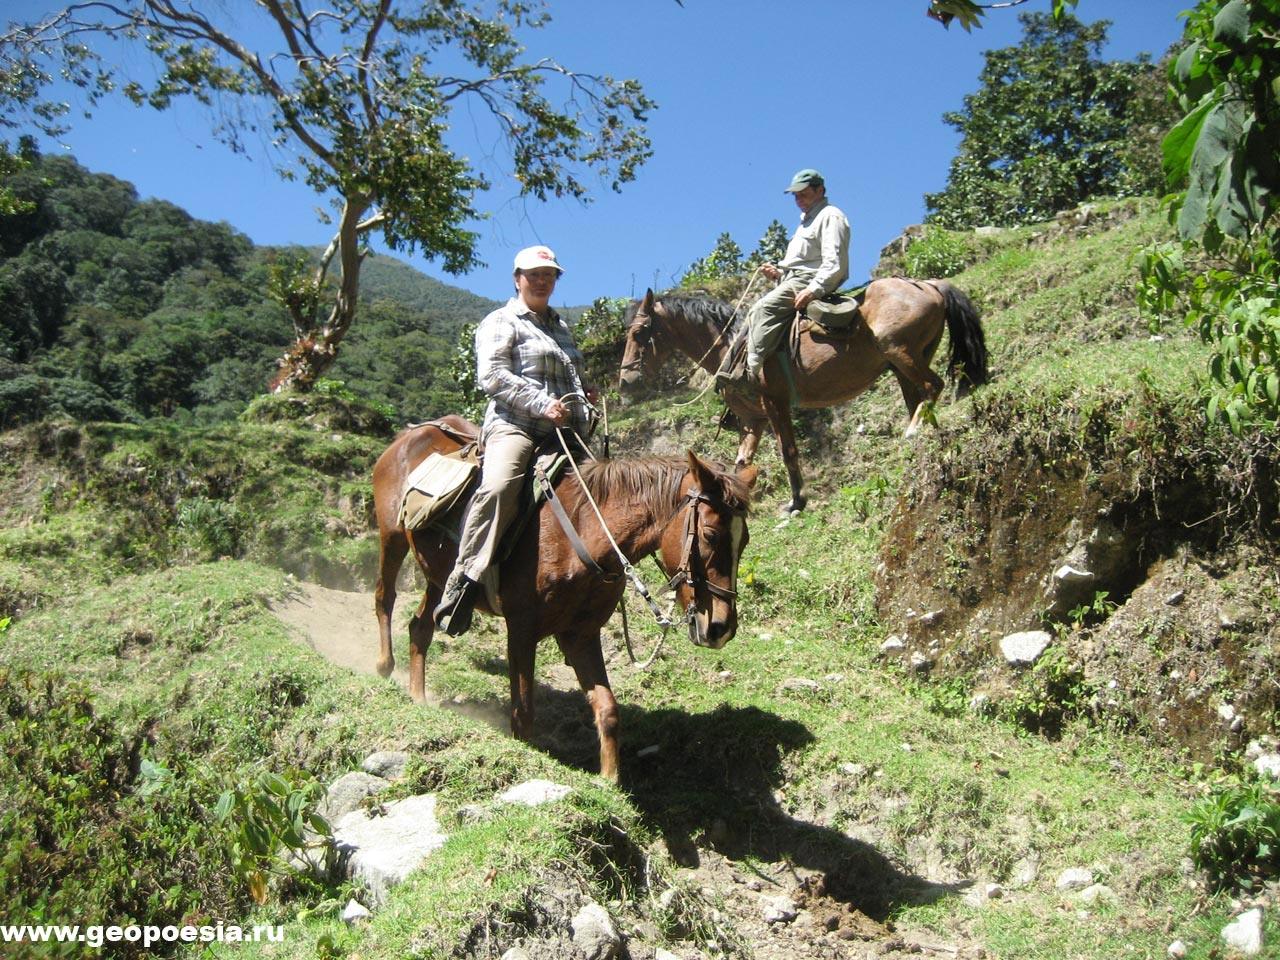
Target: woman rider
x=526, y=361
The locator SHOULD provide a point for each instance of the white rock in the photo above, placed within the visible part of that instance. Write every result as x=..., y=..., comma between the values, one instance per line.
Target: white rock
x=1074, y=878
x=385, y=849
x=534, y=793
x=1268, y=765
x=1097, y=893
x=799, y=683
x=594, y=932
x=892, y=644
x=779, y=910
x=1069, y=574
x=1177, y=950
x=355, y=910
x=1244, y=933
x=388, y=764
x=1025, y=647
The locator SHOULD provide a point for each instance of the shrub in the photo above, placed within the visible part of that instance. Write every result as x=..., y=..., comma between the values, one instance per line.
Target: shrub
x=1235, y=833
x=91, y=830
x=937, y=254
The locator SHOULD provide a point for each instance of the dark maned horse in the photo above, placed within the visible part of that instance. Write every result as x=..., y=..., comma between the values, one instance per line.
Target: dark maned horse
x=689, y=513
x=901, y=327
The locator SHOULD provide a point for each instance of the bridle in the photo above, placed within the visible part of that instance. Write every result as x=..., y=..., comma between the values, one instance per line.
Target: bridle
x=642, y=324
x=684, y=572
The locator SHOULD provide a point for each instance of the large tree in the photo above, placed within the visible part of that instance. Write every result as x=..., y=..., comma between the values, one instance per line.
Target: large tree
x=356, y=97
x=1046, y=130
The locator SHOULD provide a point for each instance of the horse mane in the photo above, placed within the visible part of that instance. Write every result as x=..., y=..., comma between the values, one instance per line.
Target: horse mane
x=655, y=482
x=702, y=309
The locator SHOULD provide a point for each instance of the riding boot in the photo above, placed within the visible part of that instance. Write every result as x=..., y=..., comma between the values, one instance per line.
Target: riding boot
x=735, y=370
x=453, y=613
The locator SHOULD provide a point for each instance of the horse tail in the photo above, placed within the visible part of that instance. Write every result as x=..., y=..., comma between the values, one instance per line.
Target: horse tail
x=968, y=342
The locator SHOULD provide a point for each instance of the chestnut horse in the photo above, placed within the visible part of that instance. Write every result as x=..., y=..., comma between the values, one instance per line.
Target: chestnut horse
x=901, y=326
x=691, y=514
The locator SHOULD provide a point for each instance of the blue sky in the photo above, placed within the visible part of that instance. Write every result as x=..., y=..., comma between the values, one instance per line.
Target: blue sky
x=747, y=95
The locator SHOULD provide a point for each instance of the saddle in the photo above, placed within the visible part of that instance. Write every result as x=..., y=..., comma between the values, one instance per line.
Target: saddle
x=444, y=481
x=440, y=482
x=438, y=491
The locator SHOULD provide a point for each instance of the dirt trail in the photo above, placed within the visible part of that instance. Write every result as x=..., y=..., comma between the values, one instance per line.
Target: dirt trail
x=338, y=624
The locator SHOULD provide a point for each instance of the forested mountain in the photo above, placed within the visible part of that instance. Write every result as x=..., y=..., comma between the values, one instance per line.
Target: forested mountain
x=116, y=308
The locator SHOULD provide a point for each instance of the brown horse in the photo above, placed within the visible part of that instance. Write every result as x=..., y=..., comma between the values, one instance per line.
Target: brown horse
x=689, y=513
x=901, y=327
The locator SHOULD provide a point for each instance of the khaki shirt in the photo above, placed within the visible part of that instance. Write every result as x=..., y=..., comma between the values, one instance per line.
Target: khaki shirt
x=820, y=246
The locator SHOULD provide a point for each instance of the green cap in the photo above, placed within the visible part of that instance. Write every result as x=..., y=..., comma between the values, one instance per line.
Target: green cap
x=805, y=179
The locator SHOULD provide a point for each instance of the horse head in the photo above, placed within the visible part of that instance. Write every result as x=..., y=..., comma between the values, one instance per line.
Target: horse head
x=641, y=348
x=702, y=546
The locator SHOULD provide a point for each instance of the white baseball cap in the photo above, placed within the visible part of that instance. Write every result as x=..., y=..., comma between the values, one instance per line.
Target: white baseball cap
x=532, y=258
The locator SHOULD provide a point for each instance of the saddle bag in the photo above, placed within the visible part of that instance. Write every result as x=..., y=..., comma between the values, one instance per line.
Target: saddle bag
x=437, y=484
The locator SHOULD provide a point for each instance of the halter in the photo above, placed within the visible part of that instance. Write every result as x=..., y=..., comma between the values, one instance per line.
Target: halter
x=642, y=321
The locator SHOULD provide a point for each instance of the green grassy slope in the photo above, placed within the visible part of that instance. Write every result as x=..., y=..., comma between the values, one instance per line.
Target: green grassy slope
x=136, y=565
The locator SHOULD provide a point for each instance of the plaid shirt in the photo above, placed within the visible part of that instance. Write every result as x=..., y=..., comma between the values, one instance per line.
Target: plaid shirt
x=523, y=364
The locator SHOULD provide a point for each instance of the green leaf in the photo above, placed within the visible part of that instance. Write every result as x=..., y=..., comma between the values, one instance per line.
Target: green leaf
x=1180, y=142
x=1231, y=25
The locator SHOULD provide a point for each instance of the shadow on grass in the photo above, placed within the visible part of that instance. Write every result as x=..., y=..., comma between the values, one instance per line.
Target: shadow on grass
x=710, y=780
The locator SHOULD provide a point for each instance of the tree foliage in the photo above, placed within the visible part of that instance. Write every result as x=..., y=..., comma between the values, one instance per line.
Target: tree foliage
x=725, y=262
x=970, y=14
x=1227, y=148
x=356, y=97
x=115, y=308
x=1049, y=129
x=1225, y=274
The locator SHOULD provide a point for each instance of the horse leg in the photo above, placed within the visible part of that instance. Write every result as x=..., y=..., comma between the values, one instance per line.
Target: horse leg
x=778, y=410
x=918, y=382
x=391, y=554
x=749, y=441
x=422, y=629
x=582, y=652
x=912, y=397
x=521, y=656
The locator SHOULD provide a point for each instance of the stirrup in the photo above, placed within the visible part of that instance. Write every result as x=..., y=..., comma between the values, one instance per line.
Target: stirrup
x=453, y=615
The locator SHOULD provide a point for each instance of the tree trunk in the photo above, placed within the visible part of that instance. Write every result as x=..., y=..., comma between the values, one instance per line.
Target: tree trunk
x=314, y=351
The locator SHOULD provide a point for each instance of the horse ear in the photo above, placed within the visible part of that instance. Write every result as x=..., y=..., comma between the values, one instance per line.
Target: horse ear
x=703, y=475
x=646, y=305
x=748, y=475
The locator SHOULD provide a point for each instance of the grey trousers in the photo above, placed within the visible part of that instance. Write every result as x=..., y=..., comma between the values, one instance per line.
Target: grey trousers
x=770, y=318
x=508, y=453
